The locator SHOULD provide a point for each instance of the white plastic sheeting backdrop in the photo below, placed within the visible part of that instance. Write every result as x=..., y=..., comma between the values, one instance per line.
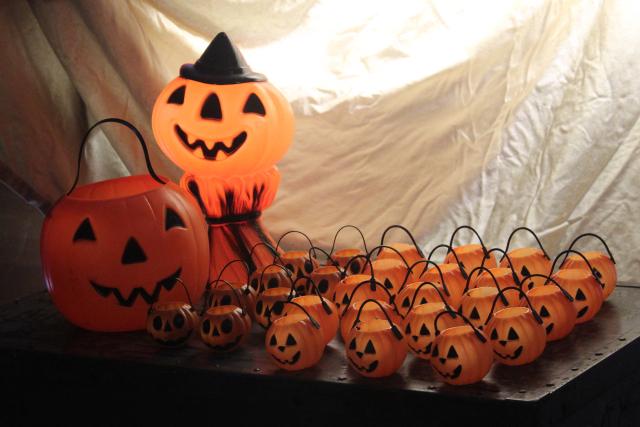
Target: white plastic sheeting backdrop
x=430, y=114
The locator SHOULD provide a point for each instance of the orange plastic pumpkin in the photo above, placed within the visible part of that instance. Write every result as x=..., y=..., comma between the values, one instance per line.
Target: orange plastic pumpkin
x=375, y=348
x=345, y=288
x=322, y=309
x=554, y=305
x=499, y=278
x=171, y=323
x=422, y=292
x=603, y=265
x=351, y=260
x=527, y=261
x=449, y=276
x=300, y=263
x=517, y=334
x=392, y=272
x=224, y=328
x=472, y=255
x=349, y=314
x=410, y=253
x=368, y=289
x=327, y=277
x=217, y=295
x=266, y=304
x=476, y=304
x=226, y=127
x=583, y=285
x=111, y=248
x=461, y=354
x=270, y=276
x=295, y=341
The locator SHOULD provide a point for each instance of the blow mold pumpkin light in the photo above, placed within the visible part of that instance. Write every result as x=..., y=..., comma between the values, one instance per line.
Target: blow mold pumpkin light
x=110, y=249
x=226, y=127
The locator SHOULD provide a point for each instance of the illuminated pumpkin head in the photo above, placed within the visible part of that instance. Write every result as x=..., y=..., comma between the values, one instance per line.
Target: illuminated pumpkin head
x=223, y=328
x=409, y=253
x=376, y=347
x=418, y=293
x=345, y=288
x=219, y=118
x=554, y=305
x=370, y=311
x=527, y=261
x=419, y=329
x=470, y=256
x=171, y=323
x=602, y=265
x=266, y=308
x=460, y=354
x=295, y=341
x=320, y=308
x=517, y=334
x=583, y=285
x=221, y=292
x=111, y=248
x=351, y=260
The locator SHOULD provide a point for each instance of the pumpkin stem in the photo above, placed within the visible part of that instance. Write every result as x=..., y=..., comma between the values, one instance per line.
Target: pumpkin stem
x=597, y=237
x=453, y=315
x=455, y=255
x=535, y=236
x=335, y=237
x=549, y=278
x=568, y=251
x=140, y=139
x=415, y=295
x=298, y=232
x=413, y=240
x=394, y=329
x=510, y=288
x=468, y=227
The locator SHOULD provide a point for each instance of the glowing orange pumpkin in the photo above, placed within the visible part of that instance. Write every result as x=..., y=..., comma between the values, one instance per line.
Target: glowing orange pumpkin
x=322, y=309
x=527, y=261
x=554, y=305
x=603, y=265
x=111, y=248
x=419, y=327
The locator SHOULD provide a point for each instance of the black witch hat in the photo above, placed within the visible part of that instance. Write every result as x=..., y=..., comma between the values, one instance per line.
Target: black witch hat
x=221, y=64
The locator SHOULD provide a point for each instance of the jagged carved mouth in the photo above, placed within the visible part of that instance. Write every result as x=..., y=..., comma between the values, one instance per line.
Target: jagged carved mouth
x=455, y=374
x=372, y=366
x=227, y=346
x=426, y=350
x=515, y=354
x=167, y=283
x=292, y=361
x=212, y=153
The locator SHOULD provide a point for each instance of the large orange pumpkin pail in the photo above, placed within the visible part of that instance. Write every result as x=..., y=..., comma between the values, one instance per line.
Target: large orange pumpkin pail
x=111, y=248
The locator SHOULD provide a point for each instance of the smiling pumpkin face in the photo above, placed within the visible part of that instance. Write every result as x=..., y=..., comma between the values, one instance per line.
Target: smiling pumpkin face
x=373, y=350
x=222, y=129
x=294, y=343
x=516, y=337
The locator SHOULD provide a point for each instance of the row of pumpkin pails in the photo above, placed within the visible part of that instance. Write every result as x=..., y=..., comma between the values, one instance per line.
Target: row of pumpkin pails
x=461, y=315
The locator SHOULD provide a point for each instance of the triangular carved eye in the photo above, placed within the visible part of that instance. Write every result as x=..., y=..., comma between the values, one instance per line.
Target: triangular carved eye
x=513, y=335
x=388, y=284
x=273, y=341
x=424, y=330
x=352, y=344
x=525, y=271
x=345, y=299
x=580, y=295
x=494, y=335
x=133, y=252
x=254, y=105
x=172, y=219
x=84, y=232
x=369, y=348
x=407, y=330
x=211, y=108
x=291, y=340
x=474, y=314
x=177, y=96
x=452, y=354
x=406, y=302
x=435, y=352
x=544, y=312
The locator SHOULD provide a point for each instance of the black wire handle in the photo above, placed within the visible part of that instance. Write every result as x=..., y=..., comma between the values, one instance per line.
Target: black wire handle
x=325, y=253
x=413, y=240
x=233, y=261
x=353, y=259
x=268, y=246
x=291, y=232
x=495, y=281
x=323, y=300
x=514, y=274
x=468, y=227
x=568, y=251
x=380, y=247
x=450, y=250
x=427, y=262
x=453, y=315
x=335, y=237
x=524, y=294
x=217, y=282
x=394, y=328
x=375, y=284
x=535, y=236
x=548, y=279
x=433, y=285
x=134, y=130
x=287, y=273
x=281, y=304
x=597, y=237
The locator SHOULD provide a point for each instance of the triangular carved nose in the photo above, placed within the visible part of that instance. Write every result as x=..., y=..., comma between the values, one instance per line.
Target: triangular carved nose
x=133, y=253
